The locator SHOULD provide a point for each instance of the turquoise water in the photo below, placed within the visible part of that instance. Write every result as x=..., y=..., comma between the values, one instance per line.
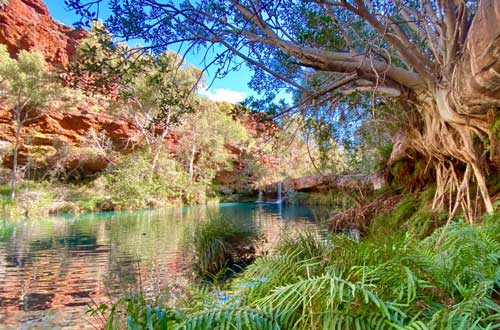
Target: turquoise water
x=52, y=268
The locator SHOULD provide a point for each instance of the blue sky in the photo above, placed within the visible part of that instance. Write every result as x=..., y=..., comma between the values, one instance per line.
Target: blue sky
x=232, y=88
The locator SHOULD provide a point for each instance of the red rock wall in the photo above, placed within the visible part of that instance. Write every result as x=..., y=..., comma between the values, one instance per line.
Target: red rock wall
x=27, y=24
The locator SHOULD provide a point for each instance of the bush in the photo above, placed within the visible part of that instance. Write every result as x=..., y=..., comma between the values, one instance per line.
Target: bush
x=412, y=214
x=219, y=242
x=134, y=184
x=318, y=283
x=327, y=281
x=91, y=204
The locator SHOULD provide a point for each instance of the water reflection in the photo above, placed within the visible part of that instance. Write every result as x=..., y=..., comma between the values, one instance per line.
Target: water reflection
x=50, y=269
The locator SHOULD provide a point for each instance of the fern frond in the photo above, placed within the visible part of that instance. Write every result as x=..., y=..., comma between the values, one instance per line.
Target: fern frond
x=230, y=319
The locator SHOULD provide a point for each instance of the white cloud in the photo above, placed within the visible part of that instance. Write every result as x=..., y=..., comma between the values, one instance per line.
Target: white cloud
x=224, y=95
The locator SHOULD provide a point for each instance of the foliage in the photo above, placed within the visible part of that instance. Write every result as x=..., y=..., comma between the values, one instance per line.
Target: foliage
x=318, y=280
x=318, y=283
x=219, y=242
x=333, y=282
x=162, y=88
x=411, y=215
x=134, y=184
x=153, y=86
x=28, y=85
x=133, y=313
x=26, y=81
x=358, y=70
x=202, y=140
x=302, y=152
x=99, y=64
x=230, y=318
x=336, y=200
x=156, y=89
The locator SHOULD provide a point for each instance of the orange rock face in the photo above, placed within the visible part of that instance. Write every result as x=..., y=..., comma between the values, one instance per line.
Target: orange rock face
x=27, y=24
x=65, y=136
x=71, y=127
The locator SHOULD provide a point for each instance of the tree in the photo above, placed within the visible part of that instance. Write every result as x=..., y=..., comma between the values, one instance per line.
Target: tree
x=157, y=89
x=158, y=97
x=28, y=86
x=202, y=138
x=435, y=62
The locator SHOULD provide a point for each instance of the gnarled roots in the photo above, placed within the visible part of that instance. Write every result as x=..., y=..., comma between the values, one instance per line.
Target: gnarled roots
x=454, y=144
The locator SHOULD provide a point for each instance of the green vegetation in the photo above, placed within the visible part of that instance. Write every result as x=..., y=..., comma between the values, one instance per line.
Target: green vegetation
x=317, y=283
x=28, y=85
x=331, y=281
x=219, y=243
x=183, y=140
x=135, y=184
x=412, y=215
x=376, y=86
x=133, y=313
x=202, y=140
x=360, y=73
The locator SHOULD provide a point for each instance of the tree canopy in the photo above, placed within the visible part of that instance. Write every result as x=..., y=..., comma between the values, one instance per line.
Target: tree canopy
x=432, y=63
x=27, y=85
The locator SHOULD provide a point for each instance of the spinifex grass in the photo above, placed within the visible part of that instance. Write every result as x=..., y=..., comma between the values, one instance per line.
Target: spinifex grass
x=219, y=242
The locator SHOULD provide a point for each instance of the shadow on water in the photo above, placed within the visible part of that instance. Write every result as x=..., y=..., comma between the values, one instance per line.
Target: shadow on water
x=51, y=268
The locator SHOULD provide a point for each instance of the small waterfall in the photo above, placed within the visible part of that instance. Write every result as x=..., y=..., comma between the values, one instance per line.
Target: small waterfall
x=280, y=188
x=259, y=199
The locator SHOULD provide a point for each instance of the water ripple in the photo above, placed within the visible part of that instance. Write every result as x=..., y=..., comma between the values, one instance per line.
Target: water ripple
x=52, y=268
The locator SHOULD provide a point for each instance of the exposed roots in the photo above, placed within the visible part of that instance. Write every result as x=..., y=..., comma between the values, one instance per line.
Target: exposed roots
x=454, y=144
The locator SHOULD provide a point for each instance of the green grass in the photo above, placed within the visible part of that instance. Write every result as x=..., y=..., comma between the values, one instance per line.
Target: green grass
x=413, y=214
x=218, y=242
x=4, y=190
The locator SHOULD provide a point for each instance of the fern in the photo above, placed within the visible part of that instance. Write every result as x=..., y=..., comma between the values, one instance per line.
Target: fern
x=327, y=299
x=333, y=282
x=230, y=319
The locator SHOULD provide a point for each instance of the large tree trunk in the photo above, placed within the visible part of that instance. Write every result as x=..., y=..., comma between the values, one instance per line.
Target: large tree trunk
x=477, y=78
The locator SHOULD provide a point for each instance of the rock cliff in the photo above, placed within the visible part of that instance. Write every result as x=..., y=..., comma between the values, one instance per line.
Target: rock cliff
x=27, y=24
x=60, y=137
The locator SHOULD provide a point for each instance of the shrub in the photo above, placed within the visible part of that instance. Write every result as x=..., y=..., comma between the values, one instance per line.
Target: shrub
x=134, y=184
x=90, y=204
x=219, y=242
x=411, y=214
x=333, y=282
x=313, y=283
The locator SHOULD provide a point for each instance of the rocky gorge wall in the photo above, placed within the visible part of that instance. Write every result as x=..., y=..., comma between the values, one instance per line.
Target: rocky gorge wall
x=61, y=137
x=27, y=24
